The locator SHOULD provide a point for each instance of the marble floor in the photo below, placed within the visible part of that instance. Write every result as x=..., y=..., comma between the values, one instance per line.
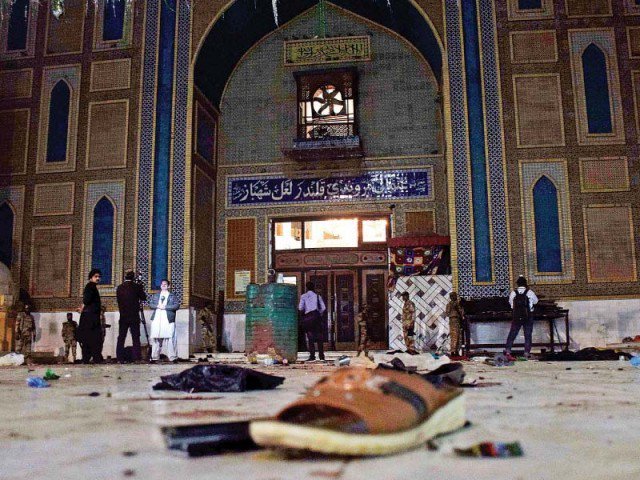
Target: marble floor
x=574, y=420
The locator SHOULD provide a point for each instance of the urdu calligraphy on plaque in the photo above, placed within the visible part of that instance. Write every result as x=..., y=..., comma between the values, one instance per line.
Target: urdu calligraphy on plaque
x=372, y=185
x=327, y=50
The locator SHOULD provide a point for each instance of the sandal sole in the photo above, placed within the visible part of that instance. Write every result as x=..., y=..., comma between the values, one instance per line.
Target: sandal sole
x=274, y=434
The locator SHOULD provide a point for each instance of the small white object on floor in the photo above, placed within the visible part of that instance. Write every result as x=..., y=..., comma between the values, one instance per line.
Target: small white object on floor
x=12, y=359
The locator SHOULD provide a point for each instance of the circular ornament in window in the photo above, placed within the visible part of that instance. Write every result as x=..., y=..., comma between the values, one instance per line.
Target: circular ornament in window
x=327, y=100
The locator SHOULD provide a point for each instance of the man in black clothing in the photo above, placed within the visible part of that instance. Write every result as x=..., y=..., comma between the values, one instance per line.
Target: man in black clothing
x=129, y=294
x=89, y=330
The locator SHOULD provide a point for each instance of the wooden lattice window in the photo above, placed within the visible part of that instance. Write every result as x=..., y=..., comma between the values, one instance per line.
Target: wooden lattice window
x=326, y=104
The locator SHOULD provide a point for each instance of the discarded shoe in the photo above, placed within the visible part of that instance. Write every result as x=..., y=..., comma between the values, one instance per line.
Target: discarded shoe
x=362, y=412
x=449, y=374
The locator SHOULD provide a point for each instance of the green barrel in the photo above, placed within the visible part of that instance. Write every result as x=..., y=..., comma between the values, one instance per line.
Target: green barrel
x=272, y=319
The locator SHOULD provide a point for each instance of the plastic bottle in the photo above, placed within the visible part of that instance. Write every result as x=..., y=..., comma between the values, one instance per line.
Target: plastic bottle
x=37, y=382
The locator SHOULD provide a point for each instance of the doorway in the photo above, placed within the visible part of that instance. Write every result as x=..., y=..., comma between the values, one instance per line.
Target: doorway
x=346, y=259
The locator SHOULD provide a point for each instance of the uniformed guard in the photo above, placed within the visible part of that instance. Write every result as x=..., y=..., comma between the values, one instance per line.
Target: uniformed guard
x=206, y=317
x=362, y=319
x=408, y=322
x=69, y=330
x=25, y=332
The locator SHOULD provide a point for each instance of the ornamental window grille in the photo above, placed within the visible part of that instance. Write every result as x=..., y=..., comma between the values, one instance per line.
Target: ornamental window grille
x=326, y=104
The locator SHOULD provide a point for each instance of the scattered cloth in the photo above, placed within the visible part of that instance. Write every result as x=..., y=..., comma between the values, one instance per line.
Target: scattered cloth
x=12, y=359
x=218, y=378
x=49, y=375
x=37, y=382
x=635, y=361
x=586, y=354
x=447, y=375
x=499, y=361
x=491, y=449
x=421, y=362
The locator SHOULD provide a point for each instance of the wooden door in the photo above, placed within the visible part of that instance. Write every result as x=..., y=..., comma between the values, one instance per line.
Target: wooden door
x=345, y=288
x=374, y=294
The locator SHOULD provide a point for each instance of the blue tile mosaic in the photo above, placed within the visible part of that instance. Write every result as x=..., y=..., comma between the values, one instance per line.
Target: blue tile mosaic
x=460, y=133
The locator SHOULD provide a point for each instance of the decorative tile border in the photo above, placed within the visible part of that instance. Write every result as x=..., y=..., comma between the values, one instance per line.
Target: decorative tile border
x=94, y=191
x=178, y=179
x=604, y=39
x=530, y=173
x=127, y=28
x=32, y=23
x=459, y=133
x=50, y=78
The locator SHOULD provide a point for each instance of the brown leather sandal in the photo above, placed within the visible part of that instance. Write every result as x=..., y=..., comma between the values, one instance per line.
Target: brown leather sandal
x=357, y=411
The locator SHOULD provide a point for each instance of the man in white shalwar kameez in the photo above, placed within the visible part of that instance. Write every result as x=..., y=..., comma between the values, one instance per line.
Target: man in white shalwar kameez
x=163, y=323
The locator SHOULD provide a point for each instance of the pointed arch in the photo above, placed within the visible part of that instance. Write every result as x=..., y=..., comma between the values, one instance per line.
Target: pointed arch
x=58, y=129
x=596, y=90
x=547, y=226
x=18, y=25
x=7, y=225
x=103, y=237
x=113, y=20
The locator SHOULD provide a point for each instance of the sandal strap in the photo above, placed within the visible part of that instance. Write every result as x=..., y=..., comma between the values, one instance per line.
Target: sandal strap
x=386, y=401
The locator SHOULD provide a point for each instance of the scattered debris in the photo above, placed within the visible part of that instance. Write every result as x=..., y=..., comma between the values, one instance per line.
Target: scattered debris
x=94, y=394
x=492, y=450
x=343, y=361
x=129, y=453
x=37, y=382
x=432, y=446
x=49, y=375
x=218, y=378
x=586, y=354
x=635, y=361
x=12, y=359
x=499, y=361
x=212, y=439
x=449, y=374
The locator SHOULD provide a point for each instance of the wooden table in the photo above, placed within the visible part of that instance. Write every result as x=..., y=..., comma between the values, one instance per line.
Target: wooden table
x=501, y=317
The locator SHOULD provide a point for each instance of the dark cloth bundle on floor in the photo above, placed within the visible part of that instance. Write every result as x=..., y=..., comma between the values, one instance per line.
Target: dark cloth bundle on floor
x=218, y=378
x=585, y=354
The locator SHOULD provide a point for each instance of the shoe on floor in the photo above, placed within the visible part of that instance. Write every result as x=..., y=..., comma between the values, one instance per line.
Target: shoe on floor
x=362, y=412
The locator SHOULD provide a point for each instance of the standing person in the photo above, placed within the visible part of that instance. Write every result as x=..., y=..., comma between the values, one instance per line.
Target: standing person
x=103, y=325
x=362, y=320
x=129, y=295
x=455, y=312
x=163, y=323
x=69, y=336
x=90, y=328
x=206, y=317
x=312, y=308
x=408, y=322
x=24, y=332
x=522, y=301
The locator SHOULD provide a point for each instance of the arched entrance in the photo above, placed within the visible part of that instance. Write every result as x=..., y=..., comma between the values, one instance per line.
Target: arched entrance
x=254, y=128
